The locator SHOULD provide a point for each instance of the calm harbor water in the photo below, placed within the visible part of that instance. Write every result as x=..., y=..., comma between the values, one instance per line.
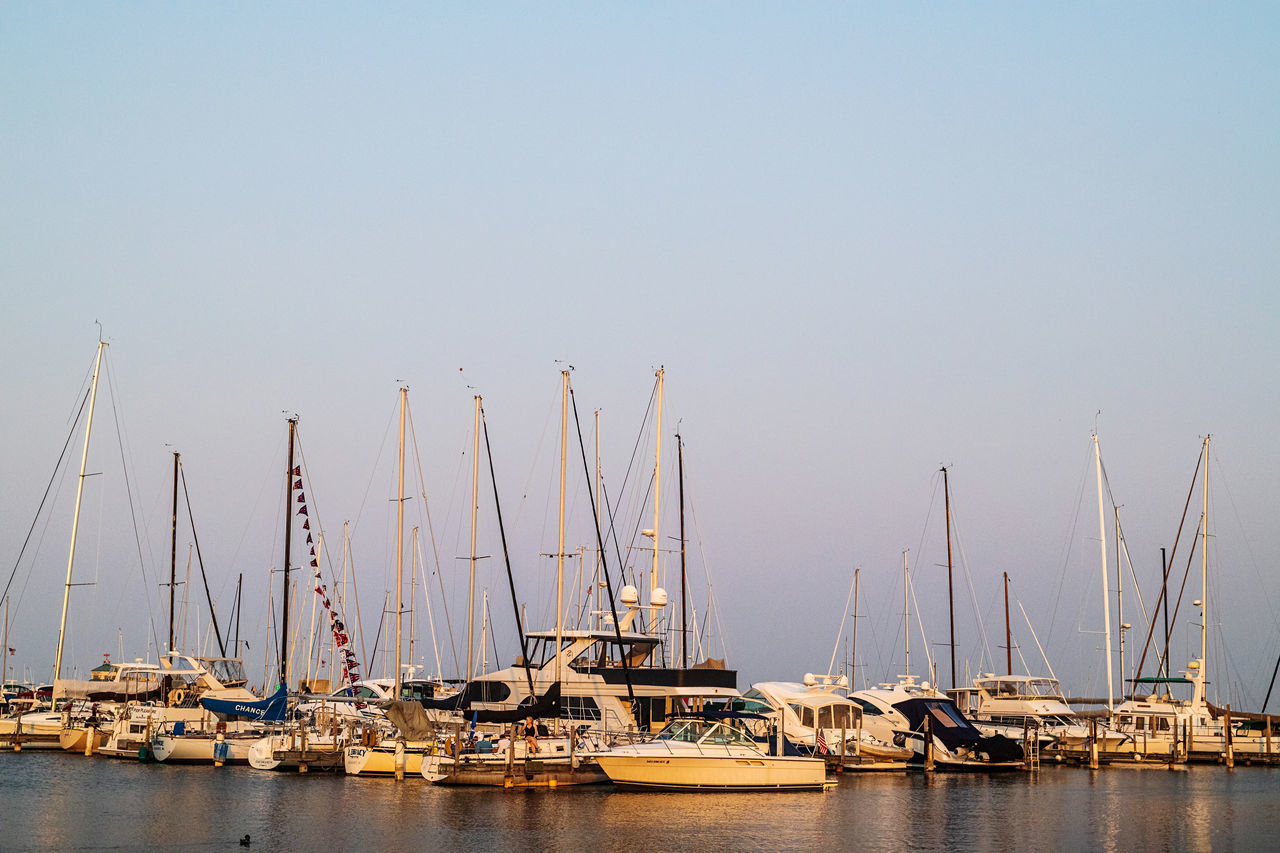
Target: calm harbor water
x=54, y=801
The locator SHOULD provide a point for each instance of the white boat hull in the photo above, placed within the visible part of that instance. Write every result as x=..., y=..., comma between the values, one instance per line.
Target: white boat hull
x=200, y=749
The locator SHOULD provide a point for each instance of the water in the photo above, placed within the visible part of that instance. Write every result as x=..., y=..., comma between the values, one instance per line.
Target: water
x=55, y=801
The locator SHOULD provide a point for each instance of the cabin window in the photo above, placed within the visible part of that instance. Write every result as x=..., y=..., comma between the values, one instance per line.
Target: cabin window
x=1162, y=723
x=836, y=717
x=489, y=691
x=868, y=709
x=805, y=714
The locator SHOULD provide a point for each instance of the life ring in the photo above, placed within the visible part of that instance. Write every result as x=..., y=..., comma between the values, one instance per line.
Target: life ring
x=177, y=696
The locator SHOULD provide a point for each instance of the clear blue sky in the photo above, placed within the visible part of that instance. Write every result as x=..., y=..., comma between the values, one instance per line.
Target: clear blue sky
x=864, y=239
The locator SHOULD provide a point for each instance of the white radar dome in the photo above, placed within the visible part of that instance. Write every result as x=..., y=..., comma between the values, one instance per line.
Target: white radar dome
x=659, y=597
x=629, y=595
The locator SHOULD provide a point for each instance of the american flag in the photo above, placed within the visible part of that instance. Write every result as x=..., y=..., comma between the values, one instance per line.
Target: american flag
x=822, y=744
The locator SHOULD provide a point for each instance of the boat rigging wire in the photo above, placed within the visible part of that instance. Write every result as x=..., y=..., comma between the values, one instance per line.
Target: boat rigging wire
x=435, y=552
x=84, y=401
x=124, y=465
x=1162, y=660
x=213, y=615
x=604, y=566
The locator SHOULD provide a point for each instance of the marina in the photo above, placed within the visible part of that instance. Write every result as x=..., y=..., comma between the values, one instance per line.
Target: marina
x=613, y=426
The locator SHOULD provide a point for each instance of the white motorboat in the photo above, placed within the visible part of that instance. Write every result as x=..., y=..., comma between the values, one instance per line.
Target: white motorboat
x=1019, y=706
x=1161, y=724
x=926, y=721
x=821, y=720
x=709, y=755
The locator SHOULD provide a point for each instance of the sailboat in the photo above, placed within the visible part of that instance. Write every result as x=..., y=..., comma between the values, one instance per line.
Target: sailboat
x=550, y=759
x=1161, y=724
x=378, y=752
x=612, y=677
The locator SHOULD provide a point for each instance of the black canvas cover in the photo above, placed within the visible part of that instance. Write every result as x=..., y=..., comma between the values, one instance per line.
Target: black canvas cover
x=547, y=705
x=949, y=725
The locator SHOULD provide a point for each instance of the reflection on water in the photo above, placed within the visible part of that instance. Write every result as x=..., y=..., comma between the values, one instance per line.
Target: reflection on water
x=53, y=801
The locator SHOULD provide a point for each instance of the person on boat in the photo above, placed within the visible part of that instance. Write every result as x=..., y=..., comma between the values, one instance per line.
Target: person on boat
x=530, y=733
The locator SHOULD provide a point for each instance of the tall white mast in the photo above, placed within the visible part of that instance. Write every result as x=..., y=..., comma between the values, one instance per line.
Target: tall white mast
x=1120, y=625
x=564, y=452
x=1204, y=563
x=906, y=614
x=1106, y=591
x=404, y=403
x=595, y=580
x=657, y=483
x=475, y=508
x=75, y=519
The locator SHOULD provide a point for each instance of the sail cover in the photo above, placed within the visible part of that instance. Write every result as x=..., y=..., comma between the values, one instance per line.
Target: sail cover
x=269, y=710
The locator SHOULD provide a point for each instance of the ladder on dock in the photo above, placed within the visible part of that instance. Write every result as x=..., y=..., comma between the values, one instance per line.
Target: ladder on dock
x=1030, y=745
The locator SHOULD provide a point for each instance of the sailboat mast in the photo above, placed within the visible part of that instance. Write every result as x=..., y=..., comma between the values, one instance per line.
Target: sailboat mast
x=951, y=596
x=906, y=614
x=657, y=483
x=684, y=585
x=1204, y=565
x=1008, y=633
x=404, y=403
x=853, y=675
x=288, y=537
x=173, y=550
x=599, y=484
x=475, y=510
x=1106, y=593
x=75, y=519
x=564, y=453
x=1120, y=626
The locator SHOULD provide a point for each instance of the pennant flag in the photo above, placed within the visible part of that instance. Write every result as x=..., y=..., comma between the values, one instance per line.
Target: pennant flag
x=303, y=511
x=297, y=471
x=302, y=498
x=298, y=484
